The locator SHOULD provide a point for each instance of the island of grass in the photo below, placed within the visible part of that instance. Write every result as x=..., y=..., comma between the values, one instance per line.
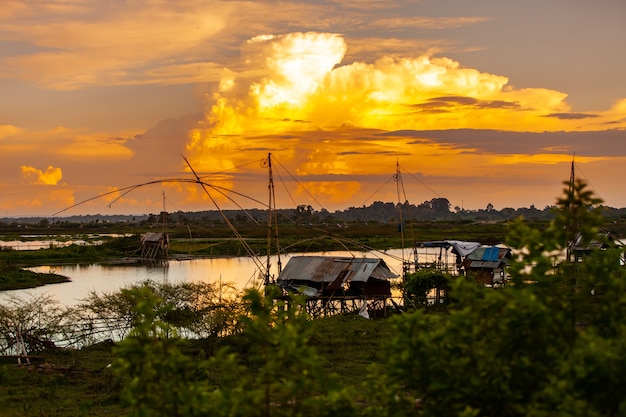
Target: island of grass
x=14, y=278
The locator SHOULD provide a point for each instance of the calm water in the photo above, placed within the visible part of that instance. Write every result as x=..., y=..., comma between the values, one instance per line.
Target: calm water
x=35, y=242
x=101, y=278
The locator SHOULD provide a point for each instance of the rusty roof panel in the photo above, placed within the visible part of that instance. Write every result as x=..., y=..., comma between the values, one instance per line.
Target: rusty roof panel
x=328, y=269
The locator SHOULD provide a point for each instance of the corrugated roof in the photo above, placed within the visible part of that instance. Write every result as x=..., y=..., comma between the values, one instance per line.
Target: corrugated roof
x=329, y=269
x=483, y=264
x=488, y=253
x=487, y=257
x=153, y=237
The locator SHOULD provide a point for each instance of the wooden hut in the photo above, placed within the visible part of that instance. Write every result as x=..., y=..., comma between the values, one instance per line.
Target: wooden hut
x=487, y=264
x=155, y=246
x=338, y=284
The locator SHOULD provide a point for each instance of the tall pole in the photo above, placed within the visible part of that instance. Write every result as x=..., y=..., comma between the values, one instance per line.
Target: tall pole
x=572, y=176
x=164, y=242
x=398, y=179
x=570, y=207
x=270, y=187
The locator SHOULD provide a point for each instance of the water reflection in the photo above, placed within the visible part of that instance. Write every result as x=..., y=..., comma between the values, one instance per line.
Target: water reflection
x=240, y=271
x=34, y=242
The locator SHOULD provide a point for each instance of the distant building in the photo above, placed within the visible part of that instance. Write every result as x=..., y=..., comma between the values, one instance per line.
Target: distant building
x=155, y=246
x=487, y=264
x=577, y=249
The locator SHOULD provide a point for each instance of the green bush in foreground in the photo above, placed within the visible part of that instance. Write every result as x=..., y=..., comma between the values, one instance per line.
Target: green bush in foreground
x=284, y=377
x=551, y=344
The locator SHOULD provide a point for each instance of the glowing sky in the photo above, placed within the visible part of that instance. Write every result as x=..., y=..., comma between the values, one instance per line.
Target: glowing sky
x=479, y=101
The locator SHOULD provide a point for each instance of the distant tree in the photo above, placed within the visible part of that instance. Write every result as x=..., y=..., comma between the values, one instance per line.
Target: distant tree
x=508, y=213
x=440, y=205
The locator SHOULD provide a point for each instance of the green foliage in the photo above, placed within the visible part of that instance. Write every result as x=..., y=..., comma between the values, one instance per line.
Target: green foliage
x=417, y=286
x=551, y=343
x=59, y=388
x=162, y=381
x=291, y=369
x=283, y=376
x=490, y=353
x=196, y=309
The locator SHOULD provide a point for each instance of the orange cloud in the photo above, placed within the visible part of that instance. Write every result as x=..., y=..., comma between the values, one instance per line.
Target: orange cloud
x=295, y=100
x=51, y=176
x=336, y=192
x=427, y=22
x=8, y=131
x=111, y=46
x=95, y=146
x=47, y=200
x=65, y=142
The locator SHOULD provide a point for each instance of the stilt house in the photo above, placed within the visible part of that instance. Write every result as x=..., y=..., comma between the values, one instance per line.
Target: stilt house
x=487, y=264
x=332, y=282
x=155, y=246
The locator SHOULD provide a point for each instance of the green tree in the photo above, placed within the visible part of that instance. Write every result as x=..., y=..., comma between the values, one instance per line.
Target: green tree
x=285, y=376
x=196, y=309
x=281, y=375
x=549, y=344
x=418, y=285
x=160, y=379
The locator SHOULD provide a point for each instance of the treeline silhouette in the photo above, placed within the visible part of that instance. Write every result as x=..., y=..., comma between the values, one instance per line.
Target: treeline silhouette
x=436, y=209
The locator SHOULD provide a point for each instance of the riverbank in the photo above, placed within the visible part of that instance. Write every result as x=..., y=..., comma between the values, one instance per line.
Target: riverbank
x=14, y=278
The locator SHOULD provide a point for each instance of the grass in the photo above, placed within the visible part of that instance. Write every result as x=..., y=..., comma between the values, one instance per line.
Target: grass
x=78, y=382
x=13, y=278
x=68, y=383
x=351, y=344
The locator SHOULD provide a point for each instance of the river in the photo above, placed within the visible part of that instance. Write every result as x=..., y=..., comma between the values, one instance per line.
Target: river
x=106, y=278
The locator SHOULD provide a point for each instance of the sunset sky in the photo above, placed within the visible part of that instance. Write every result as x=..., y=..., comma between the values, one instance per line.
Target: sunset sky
x=478, y=101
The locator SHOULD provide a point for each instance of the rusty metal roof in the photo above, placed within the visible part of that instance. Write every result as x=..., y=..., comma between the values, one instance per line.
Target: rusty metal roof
x=153, y=237
x=328, y=269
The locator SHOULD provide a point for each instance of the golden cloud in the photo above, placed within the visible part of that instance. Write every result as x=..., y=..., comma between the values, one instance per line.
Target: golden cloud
x=334, y=192
x=8, y=130
x=321, y=117
x=51, y=176
x=79, y=51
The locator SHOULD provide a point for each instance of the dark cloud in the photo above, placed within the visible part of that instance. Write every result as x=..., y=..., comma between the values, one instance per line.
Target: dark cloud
x=113, y=140
x=158, y=150
x=571, y=116
x=263, y=149
x=370, y=153
x=447, y=104
x=595, y=143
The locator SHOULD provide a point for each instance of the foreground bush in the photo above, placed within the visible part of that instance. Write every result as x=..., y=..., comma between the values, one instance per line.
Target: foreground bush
x=553, y=343
x=284, y=375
